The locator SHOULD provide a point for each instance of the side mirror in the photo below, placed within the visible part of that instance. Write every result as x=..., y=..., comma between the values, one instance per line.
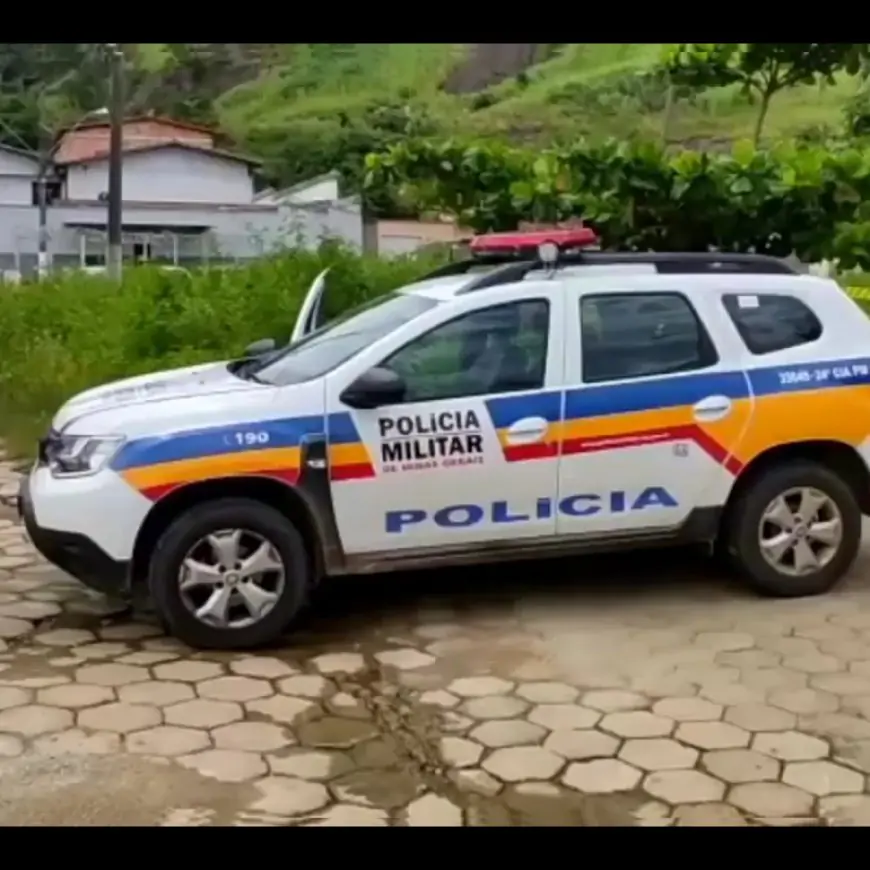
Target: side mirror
x=258, y=348
x=377, y=387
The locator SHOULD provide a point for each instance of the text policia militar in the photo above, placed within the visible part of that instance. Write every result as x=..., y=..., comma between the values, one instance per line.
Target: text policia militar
x=445, y=439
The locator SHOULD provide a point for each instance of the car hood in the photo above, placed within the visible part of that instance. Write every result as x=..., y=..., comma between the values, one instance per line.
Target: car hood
x=156, y=387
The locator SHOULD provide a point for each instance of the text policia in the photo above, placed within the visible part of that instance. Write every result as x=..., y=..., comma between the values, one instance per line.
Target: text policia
x=447, y=439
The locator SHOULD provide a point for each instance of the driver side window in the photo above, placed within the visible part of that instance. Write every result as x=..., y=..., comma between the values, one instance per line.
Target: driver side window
x=500, y=349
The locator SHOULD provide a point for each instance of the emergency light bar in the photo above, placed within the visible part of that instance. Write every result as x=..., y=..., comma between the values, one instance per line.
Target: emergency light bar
x=507, y=243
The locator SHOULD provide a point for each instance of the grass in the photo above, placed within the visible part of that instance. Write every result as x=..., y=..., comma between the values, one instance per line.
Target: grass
x=319, y=81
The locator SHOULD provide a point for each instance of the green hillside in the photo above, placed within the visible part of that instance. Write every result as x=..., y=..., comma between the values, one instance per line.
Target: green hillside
x=306, y=108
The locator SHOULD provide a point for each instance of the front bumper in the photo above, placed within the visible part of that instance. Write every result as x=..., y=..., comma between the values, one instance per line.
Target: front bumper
x=74, y=553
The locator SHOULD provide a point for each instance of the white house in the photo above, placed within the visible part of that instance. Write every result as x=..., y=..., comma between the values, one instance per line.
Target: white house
x=184, y=201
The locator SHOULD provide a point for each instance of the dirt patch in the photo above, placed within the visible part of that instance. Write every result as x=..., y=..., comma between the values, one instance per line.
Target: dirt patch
x=112, y=791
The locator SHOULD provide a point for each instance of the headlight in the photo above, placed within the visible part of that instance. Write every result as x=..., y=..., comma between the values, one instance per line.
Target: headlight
x=80, y=455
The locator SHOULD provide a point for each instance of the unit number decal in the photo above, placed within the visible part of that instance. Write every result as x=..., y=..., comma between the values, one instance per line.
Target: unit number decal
x=251, y=439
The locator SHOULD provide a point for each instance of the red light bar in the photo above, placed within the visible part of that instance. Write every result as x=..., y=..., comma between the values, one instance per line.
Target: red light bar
x=502, y=243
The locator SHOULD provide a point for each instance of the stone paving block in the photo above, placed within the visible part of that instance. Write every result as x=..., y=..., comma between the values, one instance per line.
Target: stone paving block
x=233, y=689
x=582, y=745
x=760, y=717
x=77, y=742
x=349, y=816
x=822, y=778
x=64, y=637
x=405, y=659
x=305, y=686
x=684, y=787
x=740, y=765
x=771, y=799
x=458, y=752
x=433, y=811
x=167, y=740
x=791, y=746
x=156, y=692
x=265, y=667
x=712, y=735
x=10, y=746
x=111, y=675
x=602, y=776
x=35, y=719
x=713, y=815
x=119, y=717
x=339, y=663
x=316, y=765
x=476, y=781
x=284, y=796
x=841, y=684
x=478, y=687
x=547, y=692
x=494, y=707
x=284, y=708
x=804, y=701
x=13, y=697
x=251, y=736
x=520, y=763
x=638, y=723
x=512, y=732
x=814, y=663
x=614, y=700
x=851, y=811
x=655, y=753
x=562, y=717
x=187, y=671
x=226, y=765
x=200, y=713
x=439, y=698
x=73, y=696
x=688, y=709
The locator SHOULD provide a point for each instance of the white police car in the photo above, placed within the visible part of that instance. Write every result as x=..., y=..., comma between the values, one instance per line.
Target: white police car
x=508, y=406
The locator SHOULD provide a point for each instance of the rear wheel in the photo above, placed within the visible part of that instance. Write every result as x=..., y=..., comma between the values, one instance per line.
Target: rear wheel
x=795, y=530
x=229, y=574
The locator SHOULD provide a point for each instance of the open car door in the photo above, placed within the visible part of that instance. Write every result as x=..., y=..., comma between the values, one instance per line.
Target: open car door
x=311, y=313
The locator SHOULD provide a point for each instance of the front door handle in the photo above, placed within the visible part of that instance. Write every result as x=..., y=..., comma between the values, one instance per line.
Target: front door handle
x=527, y=431
x=712, y=408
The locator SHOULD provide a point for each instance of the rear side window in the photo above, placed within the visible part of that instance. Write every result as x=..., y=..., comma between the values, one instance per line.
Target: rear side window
x=771, y=322
x=636, y=335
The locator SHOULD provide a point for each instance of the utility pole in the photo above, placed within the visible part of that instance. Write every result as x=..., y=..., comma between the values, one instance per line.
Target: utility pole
x=115, y=253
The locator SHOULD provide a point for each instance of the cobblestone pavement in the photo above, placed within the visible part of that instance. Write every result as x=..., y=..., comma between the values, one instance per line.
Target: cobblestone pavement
x=581, y=693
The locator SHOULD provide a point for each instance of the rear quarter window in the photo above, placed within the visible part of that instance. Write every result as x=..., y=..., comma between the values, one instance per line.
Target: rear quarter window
x=771, y=322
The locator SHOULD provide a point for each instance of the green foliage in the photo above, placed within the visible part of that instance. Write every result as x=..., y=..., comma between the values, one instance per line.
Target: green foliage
x=74, y=331
x=762, y=69
x=814, y=201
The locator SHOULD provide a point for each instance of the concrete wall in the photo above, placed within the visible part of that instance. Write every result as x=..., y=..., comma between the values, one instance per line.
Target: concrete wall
x=17, y=174
x=171, y=175
x=237, y=232
x=404, y=237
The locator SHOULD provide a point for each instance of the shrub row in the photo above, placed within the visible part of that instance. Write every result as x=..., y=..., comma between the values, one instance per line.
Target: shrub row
x=74, y=331
x=814, y=201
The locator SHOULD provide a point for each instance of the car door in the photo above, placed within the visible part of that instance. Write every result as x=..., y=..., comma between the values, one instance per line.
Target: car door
x=311, y=314
x=652, y=413
x=469, y=457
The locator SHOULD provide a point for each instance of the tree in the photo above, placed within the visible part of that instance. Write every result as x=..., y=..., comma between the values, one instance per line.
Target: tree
x=762, y=69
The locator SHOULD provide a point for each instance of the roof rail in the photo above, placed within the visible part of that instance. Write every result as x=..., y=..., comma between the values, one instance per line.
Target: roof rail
x=665, y=263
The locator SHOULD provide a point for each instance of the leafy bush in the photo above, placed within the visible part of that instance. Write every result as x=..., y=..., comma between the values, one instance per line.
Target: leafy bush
x=812, y=200
x=63, y=335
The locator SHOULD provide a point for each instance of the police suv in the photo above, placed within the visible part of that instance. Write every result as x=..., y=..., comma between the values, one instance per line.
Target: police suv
x=536, y=398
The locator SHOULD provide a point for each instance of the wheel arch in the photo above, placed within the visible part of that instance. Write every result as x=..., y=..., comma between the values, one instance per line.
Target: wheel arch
x=293, y=502
x=842, y=458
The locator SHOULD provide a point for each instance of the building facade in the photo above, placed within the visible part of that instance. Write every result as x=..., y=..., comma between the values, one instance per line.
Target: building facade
x=185, y=202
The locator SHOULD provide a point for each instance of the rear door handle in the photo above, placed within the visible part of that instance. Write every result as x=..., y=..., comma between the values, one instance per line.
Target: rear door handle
x=527, y=431
x=712, y=408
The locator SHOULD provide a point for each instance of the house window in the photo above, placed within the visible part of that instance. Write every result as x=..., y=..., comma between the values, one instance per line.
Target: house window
x=53, y=190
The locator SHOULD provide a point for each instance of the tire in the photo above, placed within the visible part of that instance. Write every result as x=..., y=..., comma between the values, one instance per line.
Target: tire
x=745, y=520
x=257, y=520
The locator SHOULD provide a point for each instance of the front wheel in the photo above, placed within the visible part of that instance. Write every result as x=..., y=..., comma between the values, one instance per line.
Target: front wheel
x=795, y=530
x=229, y=574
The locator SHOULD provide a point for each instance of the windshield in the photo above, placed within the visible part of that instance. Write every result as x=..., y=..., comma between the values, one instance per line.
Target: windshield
x=324, y=349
